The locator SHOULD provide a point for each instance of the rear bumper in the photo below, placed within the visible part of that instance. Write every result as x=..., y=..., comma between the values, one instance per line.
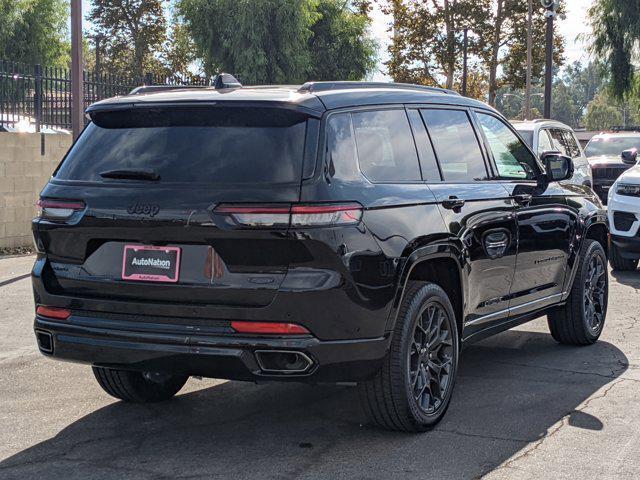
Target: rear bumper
x=191, y=350
x=628, y=247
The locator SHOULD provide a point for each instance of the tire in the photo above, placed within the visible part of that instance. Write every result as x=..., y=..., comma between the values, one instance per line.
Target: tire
x=620, y=263
x=138, y=387
x=389, y=398
x=581, y=320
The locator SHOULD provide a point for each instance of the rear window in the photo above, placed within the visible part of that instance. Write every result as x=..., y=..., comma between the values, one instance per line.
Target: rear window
x=192, y=145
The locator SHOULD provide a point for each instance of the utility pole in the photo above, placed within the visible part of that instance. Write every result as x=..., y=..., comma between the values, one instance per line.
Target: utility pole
x=465, y=49
x=550, y=13
x=77, y=95
x=527, y=95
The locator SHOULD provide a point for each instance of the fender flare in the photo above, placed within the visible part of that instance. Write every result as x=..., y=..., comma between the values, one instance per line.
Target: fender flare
x=584, y=224
x=416, y=257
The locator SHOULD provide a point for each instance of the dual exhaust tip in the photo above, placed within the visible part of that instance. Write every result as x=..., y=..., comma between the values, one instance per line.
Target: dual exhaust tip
x=283, y=362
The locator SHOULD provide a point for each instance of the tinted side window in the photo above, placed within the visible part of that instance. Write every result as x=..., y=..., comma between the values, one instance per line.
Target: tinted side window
x=512, y=157
x=341, y=147
x=455, y=144
x=386, y=151
x=571, y=143
x=428, y=162
x=558, y=141
x=544, y=142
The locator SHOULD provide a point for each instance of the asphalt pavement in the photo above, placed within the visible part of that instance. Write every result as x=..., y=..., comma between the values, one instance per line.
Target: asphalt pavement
x=524, y=407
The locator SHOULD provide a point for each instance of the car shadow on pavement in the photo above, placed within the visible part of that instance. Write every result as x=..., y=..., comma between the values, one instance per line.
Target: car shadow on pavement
x=628, y=278
x=511, y=390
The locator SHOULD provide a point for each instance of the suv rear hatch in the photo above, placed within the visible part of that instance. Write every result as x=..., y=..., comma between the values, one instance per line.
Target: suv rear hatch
x=177, y=204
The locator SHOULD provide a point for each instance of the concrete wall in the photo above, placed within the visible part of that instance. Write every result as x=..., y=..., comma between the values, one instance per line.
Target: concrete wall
x=26, y=163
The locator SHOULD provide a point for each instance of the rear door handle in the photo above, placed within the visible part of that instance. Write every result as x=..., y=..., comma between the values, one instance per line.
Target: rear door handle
x=453, y=203
x=523, y=198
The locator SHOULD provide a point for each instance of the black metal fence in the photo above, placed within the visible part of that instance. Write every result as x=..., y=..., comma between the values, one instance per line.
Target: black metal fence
x=40, y=96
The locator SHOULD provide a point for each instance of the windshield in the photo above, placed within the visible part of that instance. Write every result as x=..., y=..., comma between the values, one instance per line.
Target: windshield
x=611, y=146
x=194, y=145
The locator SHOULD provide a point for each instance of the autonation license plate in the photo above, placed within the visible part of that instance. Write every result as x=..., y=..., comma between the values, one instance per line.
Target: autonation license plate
x=150, y=264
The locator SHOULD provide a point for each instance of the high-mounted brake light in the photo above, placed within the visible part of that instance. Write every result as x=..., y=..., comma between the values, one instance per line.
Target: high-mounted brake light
x=269, y=328
x=58, y=209
x=282, y=216
x=53, y=312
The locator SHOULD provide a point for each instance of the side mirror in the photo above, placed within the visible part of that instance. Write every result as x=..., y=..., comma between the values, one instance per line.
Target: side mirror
x=558, y=166
x=629, y=156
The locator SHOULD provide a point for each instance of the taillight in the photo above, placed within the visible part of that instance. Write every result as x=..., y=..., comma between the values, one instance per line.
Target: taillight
x=53, y=312
x=58, y=209
x=308, y=215
x=325, y=215
x=269, y=328
x=258, y=215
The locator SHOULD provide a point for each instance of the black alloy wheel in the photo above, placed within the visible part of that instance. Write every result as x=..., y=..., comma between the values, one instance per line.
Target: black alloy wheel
x=431, y=358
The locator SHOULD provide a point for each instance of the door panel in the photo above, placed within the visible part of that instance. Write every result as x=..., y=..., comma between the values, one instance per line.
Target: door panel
x=486, y=228
x=545, y=230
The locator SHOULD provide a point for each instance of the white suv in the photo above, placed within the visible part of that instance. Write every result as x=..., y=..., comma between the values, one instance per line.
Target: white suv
x=550, y=135
x=623, y=210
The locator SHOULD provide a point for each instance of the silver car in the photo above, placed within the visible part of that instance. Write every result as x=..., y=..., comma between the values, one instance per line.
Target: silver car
x=550, y=135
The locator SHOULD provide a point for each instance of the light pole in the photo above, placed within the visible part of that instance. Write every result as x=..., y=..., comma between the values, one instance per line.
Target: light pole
x=550, y=13
x=77, y=96
x=527, y=96
x=465, y=48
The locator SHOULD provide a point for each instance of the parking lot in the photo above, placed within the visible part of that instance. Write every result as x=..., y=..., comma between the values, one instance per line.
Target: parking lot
x=524, y=407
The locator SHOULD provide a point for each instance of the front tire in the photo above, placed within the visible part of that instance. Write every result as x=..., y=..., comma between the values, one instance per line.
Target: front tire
x=138, y=387
x=618, y=262
x=581, y=320
x=412, y=391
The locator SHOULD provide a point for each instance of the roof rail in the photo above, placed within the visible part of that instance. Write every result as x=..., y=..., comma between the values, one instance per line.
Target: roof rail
x=221, y=80
x=314, y=87
x=160, y=88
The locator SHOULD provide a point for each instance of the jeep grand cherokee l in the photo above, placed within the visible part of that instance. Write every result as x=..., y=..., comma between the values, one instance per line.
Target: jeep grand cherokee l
x=333, y=232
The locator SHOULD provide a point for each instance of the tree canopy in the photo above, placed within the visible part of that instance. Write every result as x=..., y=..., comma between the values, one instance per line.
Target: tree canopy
x=616, y=33
x=35, y=31
x=130, y=32
x=281, y=41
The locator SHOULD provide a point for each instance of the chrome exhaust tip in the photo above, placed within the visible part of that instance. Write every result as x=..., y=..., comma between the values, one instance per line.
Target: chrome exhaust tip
x=283, y=362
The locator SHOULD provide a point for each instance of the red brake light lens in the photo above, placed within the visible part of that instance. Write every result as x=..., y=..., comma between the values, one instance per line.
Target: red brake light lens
x=53, y=312
x=269, y=328
x=325, y=215
x=283, y=216
x=58, y=209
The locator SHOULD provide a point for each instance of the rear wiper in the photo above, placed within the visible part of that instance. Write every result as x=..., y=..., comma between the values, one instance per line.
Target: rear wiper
x=132, y=173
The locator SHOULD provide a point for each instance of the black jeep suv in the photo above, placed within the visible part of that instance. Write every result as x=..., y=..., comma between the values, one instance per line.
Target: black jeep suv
x=333, y=232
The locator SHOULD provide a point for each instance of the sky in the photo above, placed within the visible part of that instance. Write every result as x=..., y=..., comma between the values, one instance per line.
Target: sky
x=572, y=27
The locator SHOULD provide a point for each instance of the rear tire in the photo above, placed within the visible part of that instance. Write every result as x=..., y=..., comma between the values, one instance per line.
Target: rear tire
x=138, y=387
x=412, y=391
x=618, y=262
x=581, y=320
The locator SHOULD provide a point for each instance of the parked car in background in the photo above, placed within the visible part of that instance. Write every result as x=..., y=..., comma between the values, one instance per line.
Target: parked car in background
x=604, y=152
x=550, y=135
x=624, y=218
x=329, y=232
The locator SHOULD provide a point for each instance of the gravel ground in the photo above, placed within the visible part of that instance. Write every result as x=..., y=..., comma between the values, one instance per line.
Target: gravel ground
x=524, y=407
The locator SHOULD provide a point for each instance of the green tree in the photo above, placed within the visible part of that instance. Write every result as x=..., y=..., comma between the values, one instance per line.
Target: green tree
x=258, y=41
x=339, y=47
x=503, y=39
x=133, y=31
x=35, y=31
x=563, y=105
x=602, y=113
x=427, y=42
x=616, y=33
x=179, y=52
